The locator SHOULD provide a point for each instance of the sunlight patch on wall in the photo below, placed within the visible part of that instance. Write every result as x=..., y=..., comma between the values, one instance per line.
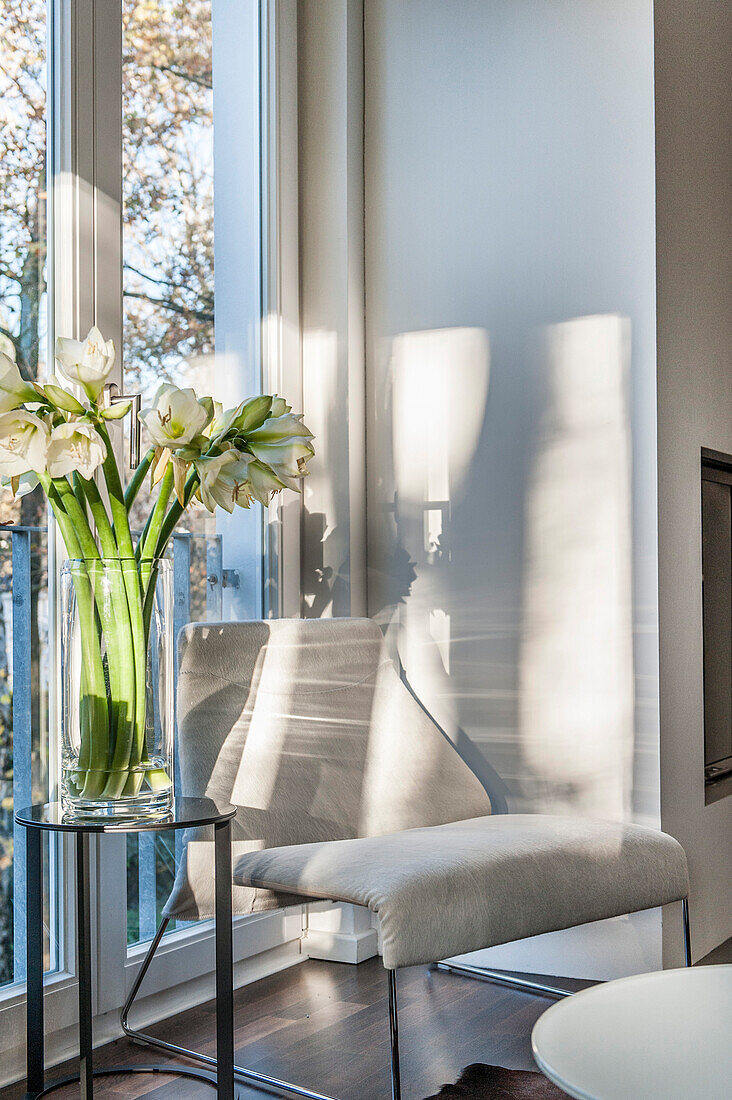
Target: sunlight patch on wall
x=576, y=665
x=320, y=367
x=440, y=387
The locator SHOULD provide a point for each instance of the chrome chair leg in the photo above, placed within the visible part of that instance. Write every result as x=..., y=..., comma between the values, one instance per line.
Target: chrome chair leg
x=154, y=944
x=284, y=1088
x=497, y=977
x=687, y=931
x=396, y=1084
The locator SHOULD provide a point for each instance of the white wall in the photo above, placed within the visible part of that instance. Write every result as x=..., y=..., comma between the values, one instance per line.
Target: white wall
x=330, y=87
x=694, y=167
x=510, y=326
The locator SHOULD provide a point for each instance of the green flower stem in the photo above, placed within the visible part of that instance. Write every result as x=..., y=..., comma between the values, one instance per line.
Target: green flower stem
x=120, y=635
x=107, y=540
x=120, y=517
x=137, y=479
x=155, y=538
x=121, y=662
x=78, y=491
x=143, y=537
x=94, y=747
x=158, y=779
x=157, y=517
x=117, y=625
x=115, y=618
x=87, y=546
x=148, y=557
x=67, y=529
x=176, y=511
x=147, y=607
x=132, y=583
x=165, y=525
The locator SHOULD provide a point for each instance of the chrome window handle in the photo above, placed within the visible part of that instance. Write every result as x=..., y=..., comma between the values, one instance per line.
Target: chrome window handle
x=112, y=396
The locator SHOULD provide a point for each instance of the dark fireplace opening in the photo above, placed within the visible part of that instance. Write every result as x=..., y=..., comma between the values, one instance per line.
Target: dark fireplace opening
x=716, y=502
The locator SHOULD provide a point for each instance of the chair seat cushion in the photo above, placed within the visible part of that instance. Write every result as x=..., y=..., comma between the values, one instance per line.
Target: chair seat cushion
x=449, y=889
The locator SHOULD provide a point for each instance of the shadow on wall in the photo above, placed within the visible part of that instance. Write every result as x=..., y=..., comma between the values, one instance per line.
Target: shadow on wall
x=516, y=632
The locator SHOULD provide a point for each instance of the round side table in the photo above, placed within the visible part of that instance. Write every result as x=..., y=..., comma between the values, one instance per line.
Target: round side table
x=186, y=813
x=661, y=1036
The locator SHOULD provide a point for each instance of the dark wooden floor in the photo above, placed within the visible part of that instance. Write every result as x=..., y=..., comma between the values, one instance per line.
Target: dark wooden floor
x=325, y=1026
x=720, y=955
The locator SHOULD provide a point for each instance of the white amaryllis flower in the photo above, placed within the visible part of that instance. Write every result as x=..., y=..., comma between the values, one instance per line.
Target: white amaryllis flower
x=279, y=407
x=283, y=443
x=174, y=417
x=23, y=443
x=88, y=362
x=77, y=446
x=14, y=390
x=215, y=424
x=288, y=458
x=278, y=428
x=20, y=484
x=224, y=480
x=263, y=482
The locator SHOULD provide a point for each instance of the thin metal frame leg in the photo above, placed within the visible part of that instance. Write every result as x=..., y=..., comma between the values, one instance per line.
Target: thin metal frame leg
x=497, y=977
x=687, y=931
x=35, y=1053
x=224, y=964
x=396, y=1083
x=141, y=976
x=84, y=939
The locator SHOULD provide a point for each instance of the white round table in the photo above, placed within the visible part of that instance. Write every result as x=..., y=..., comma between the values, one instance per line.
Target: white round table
x=663, y=1036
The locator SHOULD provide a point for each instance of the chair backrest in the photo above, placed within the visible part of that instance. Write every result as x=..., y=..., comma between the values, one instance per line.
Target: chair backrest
x=305, y=725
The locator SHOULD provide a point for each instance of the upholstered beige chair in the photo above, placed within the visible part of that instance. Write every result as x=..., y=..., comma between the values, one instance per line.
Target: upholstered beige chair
x=347, y=790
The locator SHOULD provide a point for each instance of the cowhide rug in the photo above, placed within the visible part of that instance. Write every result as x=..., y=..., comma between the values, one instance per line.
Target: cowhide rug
x=481, y=1082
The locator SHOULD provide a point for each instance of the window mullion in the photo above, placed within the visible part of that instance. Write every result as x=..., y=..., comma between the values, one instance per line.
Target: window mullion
x=280, y=262
x=86, y=289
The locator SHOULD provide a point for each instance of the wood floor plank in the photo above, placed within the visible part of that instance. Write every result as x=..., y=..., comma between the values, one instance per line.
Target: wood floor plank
x=325, y=1026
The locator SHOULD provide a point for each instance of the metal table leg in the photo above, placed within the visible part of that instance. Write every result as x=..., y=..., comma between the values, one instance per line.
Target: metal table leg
x=34, y=962
x=35, y=820
x=83, y=909
x=224, y=964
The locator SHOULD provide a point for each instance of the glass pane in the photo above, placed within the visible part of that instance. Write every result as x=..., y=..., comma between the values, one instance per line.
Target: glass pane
x=25, y=766
x=192, y=301
x=168, y=192
x=167, y=105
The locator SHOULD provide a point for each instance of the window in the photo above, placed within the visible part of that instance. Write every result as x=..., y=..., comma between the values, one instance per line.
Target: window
x=191, y=301
x=186, y=293
x=168, y=193
x=25, y=764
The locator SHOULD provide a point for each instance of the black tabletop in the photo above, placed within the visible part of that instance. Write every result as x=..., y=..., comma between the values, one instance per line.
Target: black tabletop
x=185, y=813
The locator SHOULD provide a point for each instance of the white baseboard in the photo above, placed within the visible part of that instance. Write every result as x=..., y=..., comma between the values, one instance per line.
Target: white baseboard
x=346, y=947
x=339, y=933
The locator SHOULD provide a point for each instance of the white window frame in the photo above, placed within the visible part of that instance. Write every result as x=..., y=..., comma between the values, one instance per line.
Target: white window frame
x=281, y=335
x=85, y=287
x=77, y=292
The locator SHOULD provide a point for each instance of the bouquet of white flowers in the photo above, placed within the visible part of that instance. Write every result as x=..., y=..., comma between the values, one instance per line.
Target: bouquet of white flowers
x=198, y=452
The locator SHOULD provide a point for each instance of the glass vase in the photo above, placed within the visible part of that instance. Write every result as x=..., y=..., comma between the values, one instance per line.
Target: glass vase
x=117, y=688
